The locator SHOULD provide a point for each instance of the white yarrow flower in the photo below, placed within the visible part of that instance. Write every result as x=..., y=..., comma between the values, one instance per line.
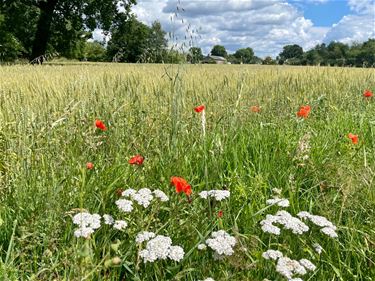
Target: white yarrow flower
x=307, y=264
x=281, y=202
x=120, y=224
x=161, y=195
x=129, y=192
x=176, y=253
x=84, y=232
x=286, y=220
x=125, y=205
x=318, y=248
x=329, y=231
x=160, y=247
x=88, y=220
x=222, y=243
x=202, y=247
x=288, y=267
x=144, y=236
x=218, y=195
x=272, y=254
x=108, y=219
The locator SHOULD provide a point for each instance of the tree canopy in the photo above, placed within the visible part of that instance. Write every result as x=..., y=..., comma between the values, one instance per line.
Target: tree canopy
x=219, y=50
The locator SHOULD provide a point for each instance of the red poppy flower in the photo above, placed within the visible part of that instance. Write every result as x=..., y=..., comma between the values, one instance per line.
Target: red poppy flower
x=136, y=160
x=181, y=185
x=220, y=214
x=89, y=165
x=368, y=94
x=354, y=138
x=304, y=111
x=255, y=108
x=199, y=108
x=100, y=125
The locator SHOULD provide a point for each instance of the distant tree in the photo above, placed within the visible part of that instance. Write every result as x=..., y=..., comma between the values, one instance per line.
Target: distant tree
x=10, y=47
x=129, y=41
x=195, y=55
x=94, y=51
x=290, y=52
x=219, y=50
x=366, y=55
x=156, y=44
x=268, y=61
x=174, y=57
x=232, y=59
x=244, y=55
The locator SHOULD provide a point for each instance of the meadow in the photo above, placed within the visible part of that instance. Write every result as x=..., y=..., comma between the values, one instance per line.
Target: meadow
x=56, y=162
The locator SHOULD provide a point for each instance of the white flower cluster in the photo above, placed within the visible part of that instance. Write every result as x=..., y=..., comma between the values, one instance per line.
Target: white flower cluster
x=281, y=202
x=272, y=254
x=160, y=247
x=144, y=196
x=87, y=223
x=288, y=267
x=144, y=236
x=286, y=220
x=108, y=219
x=120, y=225
x=318, y=248
x=327, y=227
x=208, y=279
x=222, y=243
x=125, y=205
x=202, y=247
x=218, y=195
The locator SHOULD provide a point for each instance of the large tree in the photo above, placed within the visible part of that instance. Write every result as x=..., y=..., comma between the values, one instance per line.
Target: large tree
x=219, y=50
x=36, y=23
x=195, y=55
x=244, y=55
x=291, y=52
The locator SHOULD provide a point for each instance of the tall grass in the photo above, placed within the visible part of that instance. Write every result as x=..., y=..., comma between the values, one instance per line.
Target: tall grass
x=47, y=135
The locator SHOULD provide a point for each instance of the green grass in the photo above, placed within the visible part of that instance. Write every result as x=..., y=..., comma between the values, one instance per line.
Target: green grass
x=47, y=135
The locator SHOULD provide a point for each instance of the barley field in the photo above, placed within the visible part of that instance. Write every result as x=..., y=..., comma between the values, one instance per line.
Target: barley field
x=279, y=158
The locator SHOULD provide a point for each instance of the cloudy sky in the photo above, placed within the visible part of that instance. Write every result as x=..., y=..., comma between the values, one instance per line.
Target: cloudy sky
x=264, y=25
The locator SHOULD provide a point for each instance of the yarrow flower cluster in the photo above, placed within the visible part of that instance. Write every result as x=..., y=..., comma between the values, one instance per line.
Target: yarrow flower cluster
x=286, y=220
x=144, y=236
x=327, y=227
x=144, y=196
x=160, y=247
x=87, y=223
x=108, y=219
x=288, y=267
x=120, y=224
x=318, y=248
x=222, y=243
x=281, y=202
x=218, y=195
x=125, y=205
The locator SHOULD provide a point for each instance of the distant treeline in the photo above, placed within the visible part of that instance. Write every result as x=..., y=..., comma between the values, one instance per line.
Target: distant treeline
x=37, y=30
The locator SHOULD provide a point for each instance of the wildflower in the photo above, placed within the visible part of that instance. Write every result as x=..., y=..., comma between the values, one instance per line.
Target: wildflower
x=272, y=255
x=218, y=195
x=144, y=236
x=354, y=138
x=160, y=247
x=304, y=111
x=255, y=109
x=276, y=191
x=89, y=165
x=202, y=247
x=327, y=227
x=199, y=109
x=108, y=219
x=129, y=192
x=288, y=267
x=161, y=195
x=303, y=148
x=367, y=94
x=181, y=185
x=222, y=243
x=143, y=197
x=176, y=253
x=120, y=225
x=287, y=220
x=317, y=248
x=307, y=264
x=125, y=205
x=281, y=202
x=220, y=214
x=329, y=231
x=100, y=125
x=136, y=160
x=209, y=279
x=87, y=223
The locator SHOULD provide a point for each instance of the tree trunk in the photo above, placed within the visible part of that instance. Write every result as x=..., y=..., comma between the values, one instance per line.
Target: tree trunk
x=43, y=30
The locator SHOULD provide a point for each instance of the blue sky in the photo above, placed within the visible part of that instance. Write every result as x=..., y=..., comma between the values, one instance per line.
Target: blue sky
x=264, y=25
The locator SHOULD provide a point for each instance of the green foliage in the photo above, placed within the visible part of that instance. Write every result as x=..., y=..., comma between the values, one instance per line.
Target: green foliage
x=291, y=53
x=195, y=55
x=244, y=55
x=219, y=50
x=268, y=61
x=10, y=47
x=94, y=51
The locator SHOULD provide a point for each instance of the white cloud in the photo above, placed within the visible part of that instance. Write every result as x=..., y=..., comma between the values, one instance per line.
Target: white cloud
x=264, y=25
